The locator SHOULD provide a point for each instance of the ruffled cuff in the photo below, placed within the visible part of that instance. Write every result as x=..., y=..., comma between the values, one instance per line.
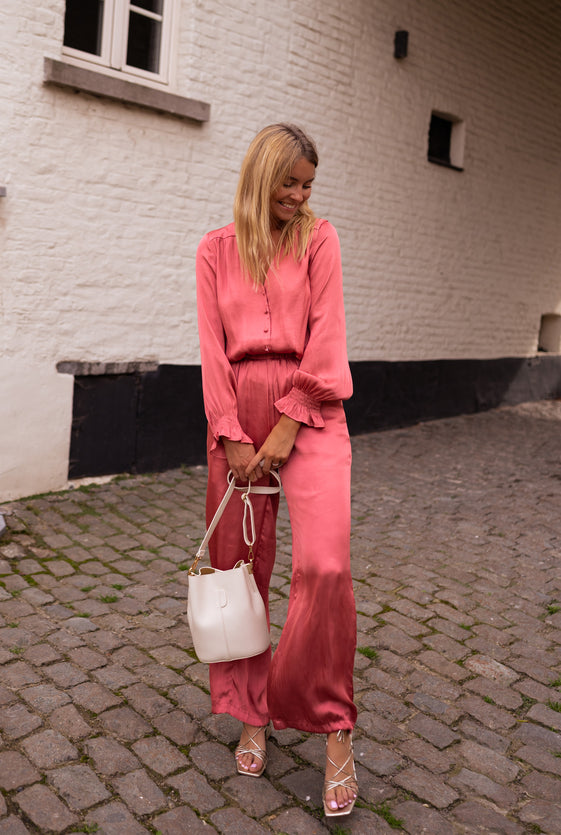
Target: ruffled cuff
x=299, y=406
x=229, y=427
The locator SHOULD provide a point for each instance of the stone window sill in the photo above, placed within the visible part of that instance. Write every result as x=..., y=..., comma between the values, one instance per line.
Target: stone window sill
x=67, y=75
x=444, y=163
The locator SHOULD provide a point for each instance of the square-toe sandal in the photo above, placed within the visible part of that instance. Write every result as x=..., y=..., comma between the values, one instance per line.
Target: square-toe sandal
x=255, y=750
x=349, y=781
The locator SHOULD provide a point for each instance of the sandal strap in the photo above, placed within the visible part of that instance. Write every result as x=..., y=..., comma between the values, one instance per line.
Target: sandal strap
x=343, y=784
x=256, y=751
x=349, y=781
x=341, y=781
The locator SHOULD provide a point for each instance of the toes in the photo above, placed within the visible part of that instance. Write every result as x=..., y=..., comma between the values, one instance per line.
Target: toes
x=248, y=763
x=245, y=762
x=344, y=797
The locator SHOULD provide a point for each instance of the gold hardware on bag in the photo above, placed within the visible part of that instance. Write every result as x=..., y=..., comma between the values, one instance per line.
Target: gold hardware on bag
x=195, y=564
x=250, y=558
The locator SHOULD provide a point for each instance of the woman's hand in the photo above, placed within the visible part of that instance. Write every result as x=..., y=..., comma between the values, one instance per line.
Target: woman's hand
x=239, y=455
x=276, y=449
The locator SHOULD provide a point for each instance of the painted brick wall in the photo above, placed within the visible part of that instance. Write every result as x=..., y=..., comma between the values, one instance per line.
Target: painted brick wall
x=106, y=202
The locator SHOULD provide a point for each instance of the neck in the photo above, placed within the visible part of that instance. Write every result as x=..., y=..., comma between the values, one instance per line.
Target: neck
x=277, y=227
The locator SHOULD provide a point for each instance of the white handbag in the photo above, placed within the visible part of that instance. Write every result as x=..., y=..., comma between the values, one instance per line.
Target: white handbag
x=225, y=610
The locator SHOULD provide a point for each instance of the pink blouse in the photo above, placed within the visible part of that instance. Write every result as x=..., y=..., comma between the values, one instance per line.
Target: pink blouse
x=298, y=311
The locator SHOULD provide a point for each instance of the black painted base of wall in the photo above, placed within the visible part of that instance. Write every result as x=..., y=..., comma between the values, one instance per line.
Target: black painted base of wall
x=137, y=423
x=153, y=421
x=390, y=394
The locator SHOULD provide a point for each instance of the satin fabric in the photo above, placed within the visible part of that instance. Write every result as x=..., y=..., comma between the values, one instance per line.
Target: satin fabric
x=308, y=684
x=297, y=313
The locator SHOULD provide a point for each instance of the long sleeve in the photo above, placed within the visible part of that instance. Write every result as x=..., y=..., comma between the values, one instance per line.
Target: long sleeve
x=219, y=385
x=324, y=372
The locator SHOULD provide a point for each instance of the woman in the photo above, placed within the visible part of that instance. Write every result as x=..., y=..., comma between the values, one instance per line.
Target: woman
x=275, y=370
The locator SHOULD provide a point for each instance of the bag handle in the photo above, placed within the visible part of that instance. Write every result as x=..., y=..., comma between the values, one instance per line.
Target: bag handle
x=247, y=513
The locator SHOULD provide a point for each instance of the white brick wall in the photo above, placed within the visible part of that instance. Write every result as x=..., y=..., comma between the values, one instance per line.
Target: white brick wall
x=106, y=202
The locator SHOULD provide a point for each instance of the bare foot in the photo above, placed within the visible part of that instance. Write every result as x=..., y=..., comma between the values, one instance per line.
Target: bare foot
x=340, y=769
x=252, y=739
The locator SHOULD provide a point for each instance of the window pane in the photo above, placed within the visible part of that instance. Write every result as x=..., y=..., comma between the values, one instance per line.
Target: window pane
x=150, y=5
x=83, y=25
x=143, y=48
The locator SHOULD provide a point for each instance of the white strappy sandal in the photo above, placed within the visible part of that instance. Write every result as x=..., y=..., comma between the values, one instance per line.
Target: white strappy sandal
x=347, y=782
x=255, y=750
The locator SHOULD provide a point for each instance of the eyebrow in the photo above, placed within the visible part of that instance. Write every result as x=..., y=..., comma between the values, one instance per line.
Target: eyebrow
x=295, y=180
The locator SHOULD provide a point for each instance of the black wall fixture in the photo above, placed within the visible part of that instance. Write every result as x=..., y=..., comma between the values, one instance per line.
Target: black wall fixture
x=400, y=43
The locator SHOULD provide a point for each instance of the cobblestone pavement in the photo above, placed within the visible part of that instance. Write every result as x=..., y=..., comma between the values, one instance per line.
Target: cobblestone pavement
x=104, y=710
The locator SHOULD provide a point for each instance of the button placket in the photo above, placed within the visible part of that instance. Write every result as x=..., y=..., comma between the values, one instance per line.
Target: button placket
x=267, y=313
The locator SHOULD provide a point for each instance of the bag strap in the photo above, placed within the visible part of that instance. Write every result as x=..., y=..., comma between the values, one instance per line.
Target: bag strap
x=247, y=513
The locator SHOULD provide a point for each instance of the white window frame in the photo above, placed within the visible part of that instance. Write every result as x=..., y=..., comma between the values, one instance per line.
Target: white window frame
x=114, y=41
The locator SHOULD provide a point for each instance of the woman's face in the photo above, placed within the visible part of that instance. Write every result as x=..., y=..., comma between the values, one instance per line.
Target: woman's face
x=287, y=199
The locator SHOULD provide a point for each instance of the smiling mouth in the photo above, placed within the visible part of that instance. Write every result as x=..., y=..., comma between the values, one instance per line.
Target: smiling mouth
x=288, y=205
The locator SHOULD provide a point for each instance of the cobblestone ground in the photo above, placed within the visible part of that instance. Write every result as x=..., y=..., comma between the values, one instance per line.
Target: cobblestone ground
x=104, y=710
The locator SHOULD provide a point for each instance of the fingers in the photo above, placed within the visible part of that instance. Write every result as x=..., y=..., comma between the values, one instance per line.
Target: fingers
x=258, y=467
x=248, y=473
x=238, y=456
x=239, y=474
x=261, y=465
x=254, y=469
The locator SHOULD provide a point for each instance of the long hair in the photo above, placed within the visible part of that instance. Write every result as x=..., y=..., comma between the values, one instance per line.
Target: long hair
x=269, y=160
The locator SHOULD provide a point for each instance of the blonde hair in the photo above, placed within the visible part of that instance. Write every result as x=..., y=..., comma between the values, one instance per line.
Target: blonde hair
x=269, y=160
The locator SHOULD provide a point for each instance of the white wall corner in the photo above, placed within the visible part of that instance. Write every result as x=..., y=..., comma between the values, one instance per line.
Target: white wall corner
x=35, y=423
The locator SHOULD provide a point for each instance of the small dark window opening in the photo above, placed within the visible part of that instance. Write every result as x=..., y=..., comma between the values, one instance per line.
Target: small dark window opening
x=440, y=134
x=83, y=25
x=549, y=338
x=446, y=140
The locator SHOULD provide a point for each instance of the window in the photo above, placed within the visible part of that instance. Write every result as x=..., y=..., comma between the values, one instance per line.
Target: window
x=549, y=339
x=446, y=141
x=132, y=37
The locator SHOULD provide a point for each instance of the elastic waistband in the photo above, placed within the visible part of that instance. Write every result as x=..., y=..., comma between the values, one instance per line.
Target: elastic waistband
x=268, y=356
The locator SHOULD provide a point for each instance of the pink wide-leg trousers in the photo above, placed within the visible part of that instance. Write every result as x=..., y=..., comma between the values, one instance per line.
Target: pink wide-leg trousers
x=308, y=684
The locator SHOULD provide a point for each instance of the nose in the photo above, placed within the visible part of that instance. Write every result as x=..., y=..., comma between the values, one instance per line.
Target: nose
x=297, y=194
